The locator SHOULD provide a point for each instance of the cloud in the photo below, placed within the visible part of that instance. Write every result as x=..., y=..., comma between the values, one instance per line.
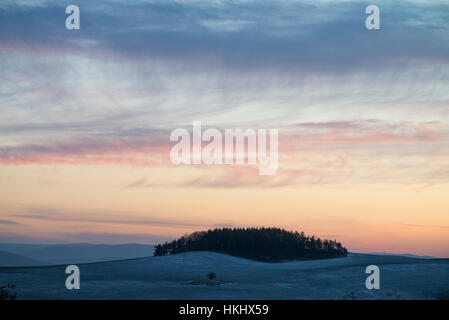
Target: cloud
x=98, y=217
x=114, y=238
x=341, y=96
x=9, y=222
x=138, y=183
x=146, y=151
x=321, y=36
x=420, y=226
x=153, y=149
x=373, y=131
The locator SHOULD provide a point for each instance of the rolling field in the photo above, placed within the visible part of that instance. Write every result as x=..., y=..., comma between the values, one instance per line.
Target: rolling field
x=170, y=277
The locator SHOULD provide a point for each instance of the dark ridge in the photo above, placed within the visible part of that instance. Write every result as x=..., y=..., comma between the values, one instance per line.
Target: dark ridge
x=261, y=244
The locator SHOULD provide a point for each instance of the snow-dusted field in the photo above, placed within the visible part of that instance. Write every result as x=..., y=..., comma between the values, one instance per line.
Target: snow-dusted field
x=166, y=278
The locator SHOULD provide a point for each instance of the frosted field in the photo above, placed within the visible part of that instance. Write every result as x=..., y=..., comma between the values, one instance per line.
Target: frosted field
x=165, y=278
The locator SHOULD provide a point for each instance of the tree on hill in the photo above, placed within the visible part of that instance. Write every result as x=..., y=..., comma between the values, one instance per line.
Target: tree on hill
x=211, y=276
x=263, y=244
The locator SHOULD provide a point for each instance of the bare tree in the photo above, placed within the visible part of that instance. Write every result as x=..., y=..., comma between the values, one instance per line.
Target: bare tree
x=7, y=293
x=211, y=276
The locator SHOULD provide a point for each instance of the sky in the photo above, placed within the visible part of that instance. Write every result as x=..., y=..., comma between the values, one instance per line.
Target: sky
x=362, y=116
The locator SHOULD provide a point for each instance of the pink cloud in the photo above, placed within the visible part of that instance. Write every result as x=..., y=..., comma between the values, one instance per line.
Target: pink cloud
x=311, y=153
x=90, y=151
x=370, y=132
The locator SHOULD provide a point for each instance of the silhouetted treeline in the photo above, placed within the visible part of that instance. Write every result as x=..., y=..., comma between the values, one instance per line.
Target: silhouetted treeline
x=263, y=244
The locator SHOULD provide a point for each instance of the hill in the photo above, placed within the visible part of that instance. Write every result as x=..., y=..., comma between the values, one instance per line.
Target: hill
x=10, y=259
x=261, y=244
x=401, y=254
x=78, y=252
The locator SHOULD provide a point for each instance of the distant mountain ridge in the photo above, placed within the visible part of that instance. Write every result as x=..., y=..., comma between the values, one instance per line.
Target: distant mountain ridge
x=409, y=255
x=8, y=259
x=46, y=254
